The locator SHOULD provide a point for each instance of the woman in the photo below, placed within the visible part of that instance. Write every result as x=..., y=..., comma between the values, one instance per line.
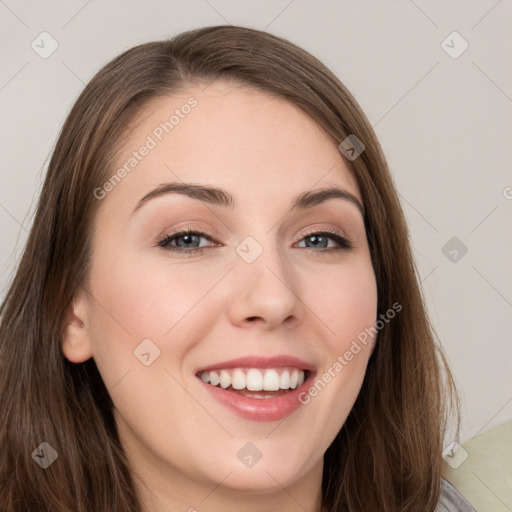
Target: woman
x=217, y=306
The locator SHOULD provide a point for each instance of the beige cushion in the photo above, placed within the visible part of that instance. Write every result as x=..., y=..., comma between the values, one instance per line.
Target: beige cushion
x=484, y=478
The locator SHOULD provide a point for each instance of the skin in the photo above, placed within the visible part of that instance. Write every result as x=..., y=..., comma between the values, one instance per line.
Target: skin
x=213, y=306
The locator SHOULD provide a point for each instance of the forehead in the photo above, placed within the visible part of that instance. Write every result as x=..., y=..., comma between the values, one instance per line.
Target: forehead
x=233, y=136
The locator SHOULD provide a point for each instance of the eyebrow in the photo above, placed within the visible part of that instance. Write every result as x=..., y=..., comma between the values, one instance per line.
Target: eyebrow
x=219, y=197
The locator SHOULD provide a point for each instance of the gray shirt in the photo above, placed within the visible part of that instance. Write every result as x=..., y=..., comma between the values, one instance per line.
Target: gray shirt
x=451, y=500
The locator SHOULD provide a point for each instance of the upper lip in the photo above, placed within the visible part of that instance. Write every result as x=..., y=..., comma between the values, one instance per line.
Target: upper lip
x=260, y=362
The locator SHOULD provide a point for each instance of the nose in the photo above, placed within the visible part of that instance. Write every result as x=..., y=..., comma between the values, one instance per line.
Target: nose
x=265, y=292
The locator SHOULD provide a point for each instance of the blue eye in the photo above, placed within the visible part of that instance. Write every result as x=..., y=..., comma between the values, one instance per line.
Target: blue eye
x=188, y=241
x=321, y=240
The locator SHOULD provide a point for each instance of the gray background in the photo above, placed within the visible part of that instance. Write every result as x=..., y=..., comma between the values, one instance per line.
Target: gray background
x=444, y=124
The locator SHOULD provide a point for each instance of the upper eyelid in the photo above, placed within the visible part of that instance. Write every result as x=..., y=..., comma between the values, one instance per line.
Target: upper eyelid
x=212, y=238
x=339, y=232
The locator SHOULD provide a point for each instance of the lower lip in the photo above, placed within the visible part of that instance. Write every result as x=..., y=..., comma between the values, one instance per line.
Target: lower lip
x=260, y=409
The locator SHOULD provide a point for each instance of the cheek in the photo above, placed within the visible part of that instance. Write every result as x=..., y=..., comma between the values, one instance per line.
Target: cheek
x=347, y=306
x=150, y=300
x=346, y=303
x=135, y=301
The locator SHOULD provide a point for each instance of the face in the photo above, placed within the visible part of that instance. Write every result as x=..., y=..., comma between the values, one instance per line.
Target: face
x=226, y=349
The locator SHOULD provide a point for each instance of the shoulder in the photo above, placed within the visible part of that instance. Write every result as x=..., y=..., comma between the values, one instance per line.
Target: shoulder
x=451, y=500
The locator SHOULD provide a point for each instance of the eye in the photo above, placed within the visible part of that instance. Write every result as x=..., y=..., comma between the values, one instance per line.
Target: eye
x=185, y=241
x=188, y=241
x=321, y=239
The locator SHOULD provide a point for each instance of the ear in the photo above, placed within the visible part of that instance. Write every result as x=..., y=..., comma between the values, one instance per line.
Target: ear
x=76, y=343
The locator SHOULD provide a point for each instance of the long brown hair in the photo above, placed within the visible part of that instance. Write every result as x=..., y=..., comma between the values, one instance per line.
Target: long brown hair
x=387, y=455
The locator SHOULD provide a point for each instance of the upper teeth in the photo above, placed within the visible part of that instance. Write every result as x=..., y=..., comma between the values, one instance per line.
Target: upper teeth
x=255, y=379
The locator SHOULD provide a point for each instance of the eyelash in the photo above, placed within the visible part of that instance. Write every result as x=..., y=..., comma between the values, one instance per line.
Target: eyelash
x=344, y=243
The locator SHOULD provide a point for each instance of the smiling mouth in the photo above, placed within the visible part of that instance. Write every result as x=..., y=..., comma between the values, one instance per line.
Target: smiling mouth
x=256, y=382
